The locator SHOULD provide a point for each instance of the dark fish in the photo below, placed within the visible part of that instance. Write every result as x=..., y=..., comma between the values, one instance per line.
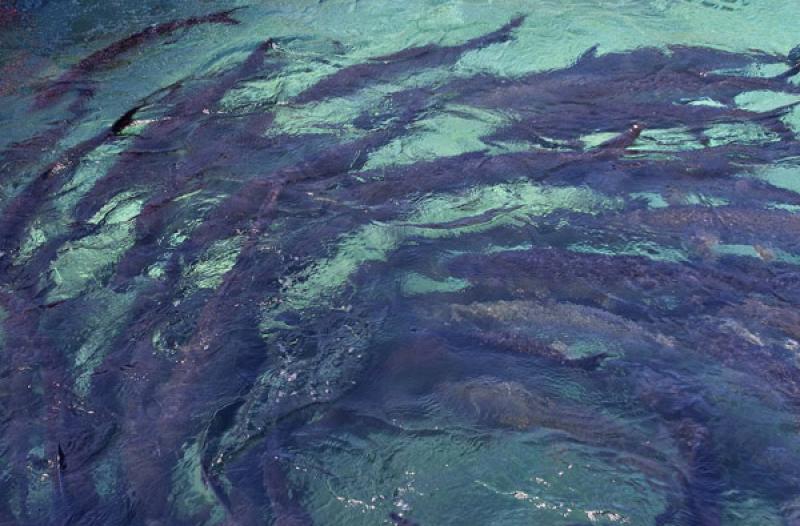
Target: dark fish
x=519, y=343
x=245, y=205
x=45, y=184
x=468, y=221
x=703, y=480
x=292, y=213
x=605, y=93
x=255, y=204
x=103, y=58
x=17, y=214
x=383, y=68
x=169, y=131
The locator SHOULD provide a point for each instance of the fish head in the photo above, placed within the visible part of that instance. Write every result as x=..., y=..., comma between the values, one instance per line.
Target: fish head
x=794, y=56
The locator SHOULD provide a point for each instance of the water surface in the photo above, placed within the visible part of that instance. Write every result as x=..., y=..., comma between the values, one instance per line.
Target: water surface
x=423, y=262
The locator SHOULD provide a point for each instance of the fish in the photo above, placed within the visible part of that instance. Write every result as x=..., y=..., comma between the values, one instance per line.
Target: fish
x=107, y=56
x=608, y=92
x=383, y=68
x=202, y=379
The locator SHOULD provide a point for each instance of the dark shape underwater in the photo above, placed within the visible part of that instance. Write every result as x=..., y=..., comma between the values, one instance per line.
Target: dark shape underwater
x=239, y=310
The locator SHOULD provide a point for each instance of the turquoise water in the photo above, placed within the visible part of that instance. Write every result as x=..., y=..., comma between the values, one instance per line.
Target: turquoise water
x=424, y=262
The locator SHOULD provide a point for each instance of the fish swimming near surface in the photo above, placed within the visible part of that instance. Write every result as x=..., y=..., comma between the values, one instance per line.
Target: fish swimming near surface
x=383, y=68
x=605, y=93
x=105, y=57
x=189, y=378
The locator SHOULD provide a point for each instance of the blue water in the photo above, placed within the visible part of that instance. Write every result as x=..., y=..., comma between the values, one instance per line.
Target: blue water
x=430, y=262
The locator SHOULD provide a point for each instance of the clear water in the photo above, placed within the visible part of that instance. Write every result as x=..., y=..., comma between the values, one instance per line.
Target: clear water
x=348, y=279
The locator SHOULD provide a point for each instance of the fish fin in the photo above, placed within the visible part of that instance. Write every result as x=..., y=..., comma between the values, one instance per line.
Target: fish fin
x=62, y=461
x=623, y=140
x=514, y=23
x=587, y=55
x=125, y=121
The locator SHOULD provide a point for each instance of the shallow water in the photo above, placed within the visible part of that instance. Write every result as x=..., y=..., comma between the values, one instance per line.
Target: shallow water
x=424, y=262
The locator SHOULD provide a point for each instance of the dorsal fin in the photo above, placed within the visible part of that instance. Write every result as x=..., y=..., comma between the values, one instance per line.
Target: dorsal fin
x=587, y=55
x=126, y=120
x=624, y=139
